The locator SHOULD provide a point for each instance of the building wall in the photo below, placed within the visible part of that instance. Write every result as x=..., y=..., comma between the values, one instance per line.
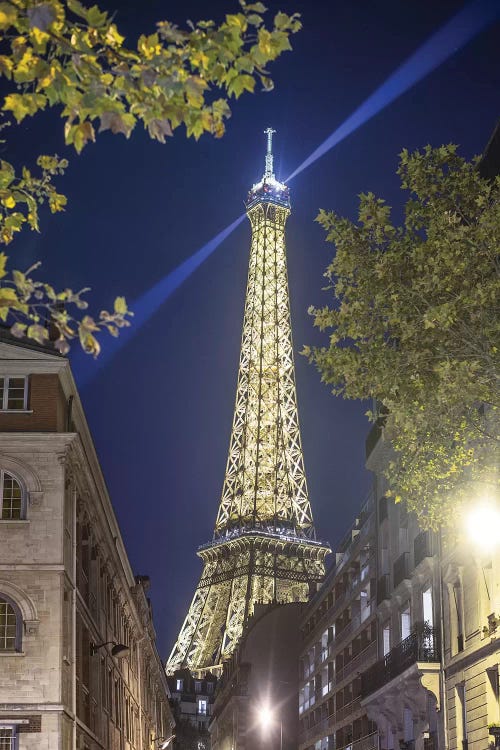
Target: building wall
x=439, y=690
x=402, y=691
x=338, y=643
x=472, y=641
x=261, y=674
x=64, y=571
x=192, y=703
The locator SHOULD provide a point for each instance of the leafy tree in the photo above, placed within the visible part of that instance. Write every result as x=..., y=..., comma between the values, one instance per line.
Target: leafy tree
x=414, y=324
x=59, y=54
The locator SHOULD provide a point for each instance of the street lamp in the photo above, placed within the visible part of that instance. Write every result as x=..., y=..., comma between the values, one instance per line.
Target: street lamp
x=266, y=720
x=164, y=742
x=119, y=649
x=483, y=524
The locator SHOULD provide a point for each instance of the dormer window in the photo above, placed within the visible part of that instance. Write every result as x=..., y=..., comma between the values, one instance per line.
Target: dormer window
x=13, y=393
x=179, y=685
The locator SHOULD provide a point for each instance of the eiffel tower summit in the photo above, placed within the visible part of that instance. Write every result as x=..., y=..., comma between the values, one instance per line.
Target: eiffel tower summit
x=264, y=546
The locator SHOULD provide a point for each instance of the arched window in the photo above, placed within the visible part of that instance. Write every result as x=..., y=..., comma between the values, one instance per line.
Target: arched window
x=10, y=625
x=12, y=505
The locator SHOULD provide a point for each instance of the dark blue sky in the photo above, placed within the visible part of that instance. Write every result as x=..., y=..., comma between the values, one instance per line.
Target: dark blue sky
x=161, y=409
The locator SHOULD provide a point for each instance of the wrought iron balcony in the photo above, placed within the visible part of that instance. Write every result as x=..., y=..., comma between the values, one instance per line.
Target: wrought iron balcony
x=422, y=646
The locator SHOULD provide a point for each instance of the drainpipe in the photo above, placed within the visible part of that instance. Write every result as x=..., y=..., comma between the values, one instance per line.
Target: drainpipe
x=444, y=695
x=73, y=613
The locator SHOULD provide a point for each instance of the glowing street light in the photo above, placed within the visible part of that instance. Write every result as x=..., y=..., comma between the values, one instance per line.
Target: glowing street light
x=266, y=720
x=265, y=717
x=483, y=526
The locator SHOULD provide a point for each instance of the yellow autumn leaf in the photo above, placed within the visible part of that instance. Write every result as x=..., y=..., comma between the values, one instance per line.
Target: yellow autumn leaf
x=8, y=15
x=8, y=297
x=8, y=202
x=3, y=261
x=120, y=306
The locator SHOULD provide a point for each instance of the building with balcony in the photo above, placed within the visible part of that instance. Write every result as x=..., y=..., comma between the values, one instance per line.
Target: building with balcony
x=79, y=669
x=339, y=642
x=192, y=703
x=402, y=691
x=436, y=682
x=256, y=699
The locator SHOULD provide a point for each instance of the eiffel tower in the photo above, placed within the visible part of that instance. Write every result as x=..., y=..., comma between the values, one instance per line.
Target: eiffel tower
x=264, y=546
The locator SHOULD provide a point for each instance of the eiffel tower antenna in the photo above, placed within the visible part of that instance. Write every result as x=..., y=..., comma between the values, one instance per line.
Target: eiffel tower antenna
x=269, y=155
x=264, y=547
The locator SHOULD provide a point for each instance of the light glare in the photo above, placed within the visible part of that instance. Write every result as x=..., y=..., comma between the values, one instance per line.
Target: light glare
x=483, y=526
x=265, y=717
x=459, y=30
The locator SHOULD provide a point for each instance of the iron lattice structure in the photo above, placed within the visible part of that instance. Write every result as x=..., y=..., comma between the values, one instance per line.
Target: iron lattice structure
x=264, y=547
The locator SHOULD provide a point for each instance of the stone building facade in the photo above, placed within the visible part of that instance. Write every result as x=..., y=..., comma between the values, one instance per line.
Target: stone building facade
x=436, y=682
x=401, y=692
x=68, y=598
x=471, y=618
x=192, y=702
x=255, y=706
x=339, y=641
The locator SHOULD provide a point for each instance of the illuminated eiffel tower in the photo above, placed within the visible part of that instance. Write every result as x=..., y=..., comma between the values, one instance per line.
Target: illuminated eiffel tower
x=264, y=547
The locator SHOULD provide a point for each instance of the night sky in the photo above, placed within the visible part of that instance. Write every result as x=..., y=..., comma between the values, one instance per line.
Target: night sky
x=161, y=410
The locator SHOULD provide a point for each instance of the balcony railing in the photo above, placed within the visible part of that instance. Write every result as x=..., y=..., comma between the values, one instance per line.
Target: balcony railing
x=324, y=725
x=419, y=646
x=401, y=569
x=357, y=662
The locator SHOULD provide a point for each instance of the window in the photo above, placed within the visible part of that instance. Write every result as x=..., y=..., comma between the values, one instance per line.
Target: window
x=461, y=716
x=10, y=627
x=427, y=607
x=493, y=694
x=457, y=595
x=210, y=687
x=13, y=394
x=405, y=623
x=408, y=728
x=7, y=737
x=386, y=638
x=197, y=686
x=202, y=707
x=179, y=685
x=11, y=498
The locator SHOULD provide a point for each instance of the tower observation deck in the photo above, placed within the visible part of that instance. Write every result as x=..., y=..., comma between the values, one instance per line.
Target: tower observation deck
x=264, y=546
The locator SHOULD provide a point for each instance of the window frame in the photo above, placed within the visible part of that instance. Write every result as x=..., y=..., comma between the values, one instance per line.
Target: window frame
x=4, y=405
x=14, y=736
x=405, y=621
x=19, y=627
x=24, y=503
